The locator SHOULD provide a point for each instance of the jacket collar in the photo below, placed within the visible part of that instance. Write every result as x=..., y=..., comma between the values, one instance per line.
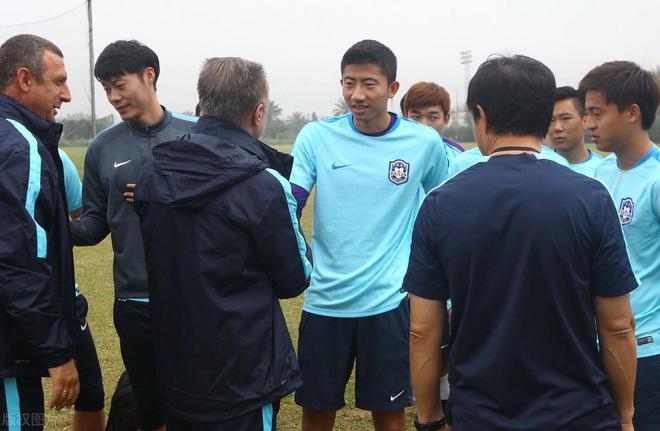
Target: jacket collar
x=217, y=127
x=47, y=132
x=154, y=128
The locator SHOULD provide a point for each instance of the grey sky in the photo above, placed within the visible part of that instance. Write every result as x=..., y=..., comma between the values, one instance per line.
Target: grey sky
x=300, y=43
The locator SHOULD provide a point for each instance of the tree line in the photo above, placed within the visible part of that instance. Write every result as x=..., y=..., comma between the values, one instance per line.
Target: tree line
x=78, y=127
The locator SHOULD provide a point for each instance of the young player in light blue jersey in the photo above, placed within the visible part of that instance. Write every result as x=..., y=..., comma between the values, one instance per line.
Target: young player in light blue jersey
x=429, y=103
x=473, y=156
x=621, y=101
x=567, y=132
x=368, y=167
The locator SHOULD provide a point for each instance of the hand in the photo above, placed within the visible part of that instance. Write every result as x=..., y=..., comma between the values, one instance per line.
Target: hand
x=66, y=386
x=129, y=196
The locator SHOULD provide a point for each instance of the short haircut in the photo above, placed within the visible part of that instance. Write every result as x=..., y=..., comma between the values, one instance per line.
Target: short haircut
x=371, y=52
x=516, y=93
x=568, y=92
x=624, y=83
x=24, y=50
x=125, y=57
x=230, y=88
x=426, y=94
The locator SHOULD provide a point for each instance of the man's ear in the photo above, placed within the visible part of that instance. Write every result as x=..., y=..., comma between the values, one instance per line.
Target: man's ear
x=24, y=78
x=633, y=113
x=150, y=75
x=394, y=87
x=483, y=119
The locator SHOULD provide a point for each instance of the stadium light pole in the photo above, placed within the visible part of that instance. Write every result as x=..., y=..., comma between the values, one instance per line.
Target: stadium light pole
x=466, y=60
x=91, y=66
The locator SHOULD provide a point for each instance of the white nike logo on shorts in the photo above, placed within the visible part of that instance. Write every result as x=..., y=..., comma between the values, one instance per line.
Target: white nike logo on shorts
x=122, y=163
x=394, y=397
x=83, y=326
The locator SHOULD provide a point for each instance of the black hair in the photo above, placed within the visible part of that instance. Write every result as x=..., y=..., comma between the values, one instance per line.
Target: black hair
x=624, y=83
x=125, y=56
x=516, y=93
x=568, y=92
x=371, y=52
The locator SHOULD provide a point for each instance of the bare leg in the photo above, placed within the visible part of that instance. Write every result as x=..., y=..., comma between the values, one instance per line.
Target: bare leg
x=318, y=420
x=394, y=420
x=89, y=421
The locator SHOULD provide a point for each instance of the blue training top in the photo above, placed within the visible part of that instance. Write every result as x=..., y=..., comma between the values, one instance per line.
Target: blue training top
x=72, y=183
x=636, y=194
x=368, y=192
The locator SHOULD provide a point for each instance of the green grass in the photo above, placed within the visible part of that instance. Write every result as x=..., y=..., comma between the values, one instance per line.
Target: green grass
x=94, y=276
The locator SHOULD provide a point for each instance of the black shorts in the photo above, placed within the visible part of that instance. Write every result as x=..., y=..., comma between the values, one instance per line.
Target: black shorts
x=647, y=394
x=138, y=351
x=21, y=404
x=378, y=345
x=263, y=419
x=91, y=396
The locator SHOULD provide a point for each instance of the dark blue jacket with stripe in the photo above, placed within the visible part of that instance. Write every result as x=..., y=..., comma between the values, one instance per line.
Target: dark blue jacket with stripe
x=36, y=263
x=222, y=244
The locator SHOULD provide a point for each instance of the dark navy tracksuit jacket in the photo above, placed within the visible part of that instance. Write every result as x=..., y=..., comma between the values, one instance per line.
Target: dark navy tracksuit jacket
x=36, y=263
x=222, y=244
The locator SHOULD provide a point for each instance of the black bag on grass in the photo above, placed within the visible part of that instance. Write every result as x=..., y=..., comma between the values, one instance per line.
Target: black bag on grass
x=122, y=407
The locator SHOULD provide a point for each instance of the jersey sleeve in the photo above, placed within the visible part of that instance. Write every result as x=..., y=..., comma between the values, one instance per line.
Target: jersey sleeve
x=72, y=183
x=438, y=168
x=92, y=227
x=655, y=197
x=425, y=276
x=611, y=272
x=303, y=173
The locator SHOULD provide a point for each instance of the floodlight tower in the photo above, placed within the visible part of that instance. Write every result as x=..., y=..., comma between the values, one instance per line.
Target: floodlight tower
x=466, y=60
x=91, y=65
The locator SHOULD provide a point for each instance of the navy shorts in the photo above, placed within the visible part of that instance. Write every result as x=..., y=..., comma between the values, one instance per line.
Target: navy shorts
x=21, y=404
x=647, y=394
x=91, y=396
x=377, y=345
x=138, y=351
x=263, y=419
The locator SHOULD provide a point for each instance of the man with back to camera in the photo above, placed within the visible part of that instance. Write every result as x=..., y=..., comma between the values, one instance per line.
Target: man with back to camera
x=567, y=132
x=369, y=168
x=529, y=292
x=621, y=100
x=36, y=263
x=472, y=156
x=222, y=244
x=128, y=71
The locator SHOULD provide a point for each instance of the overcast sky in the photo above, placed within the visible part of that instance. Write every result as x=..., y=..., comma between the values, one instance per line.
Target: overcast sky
x=300, y=43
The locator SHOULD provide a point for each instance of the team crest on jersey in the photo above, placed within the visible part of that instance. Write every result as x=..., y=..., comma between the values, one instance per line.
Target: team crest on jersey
x=626, y=210
x=399, y=171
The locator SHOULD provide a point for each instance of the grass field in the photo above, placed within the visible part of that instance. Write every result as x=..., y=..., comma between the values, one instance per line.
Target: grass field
x=94, y=276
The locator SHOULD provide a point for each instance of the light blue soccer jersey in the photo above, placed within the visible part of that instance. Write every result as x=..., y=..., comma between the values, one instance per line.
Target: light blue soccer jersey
x=636, y=194
x=587, y=167
x=367, y=198
x=72, y=184
x=473, y=156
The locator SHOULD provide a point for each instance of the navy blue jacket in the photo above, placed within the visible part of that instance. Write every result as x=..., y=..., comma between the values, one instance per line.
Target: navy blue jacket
x=222, y=244
x=36, y=262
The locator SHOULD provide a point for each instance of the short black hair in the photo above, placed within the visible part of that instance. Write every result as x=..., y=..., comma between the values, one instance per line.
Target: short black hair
x=371, y=52
x=624, y=83
x=125, y=56
x=516, y=93
x=568, y=92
